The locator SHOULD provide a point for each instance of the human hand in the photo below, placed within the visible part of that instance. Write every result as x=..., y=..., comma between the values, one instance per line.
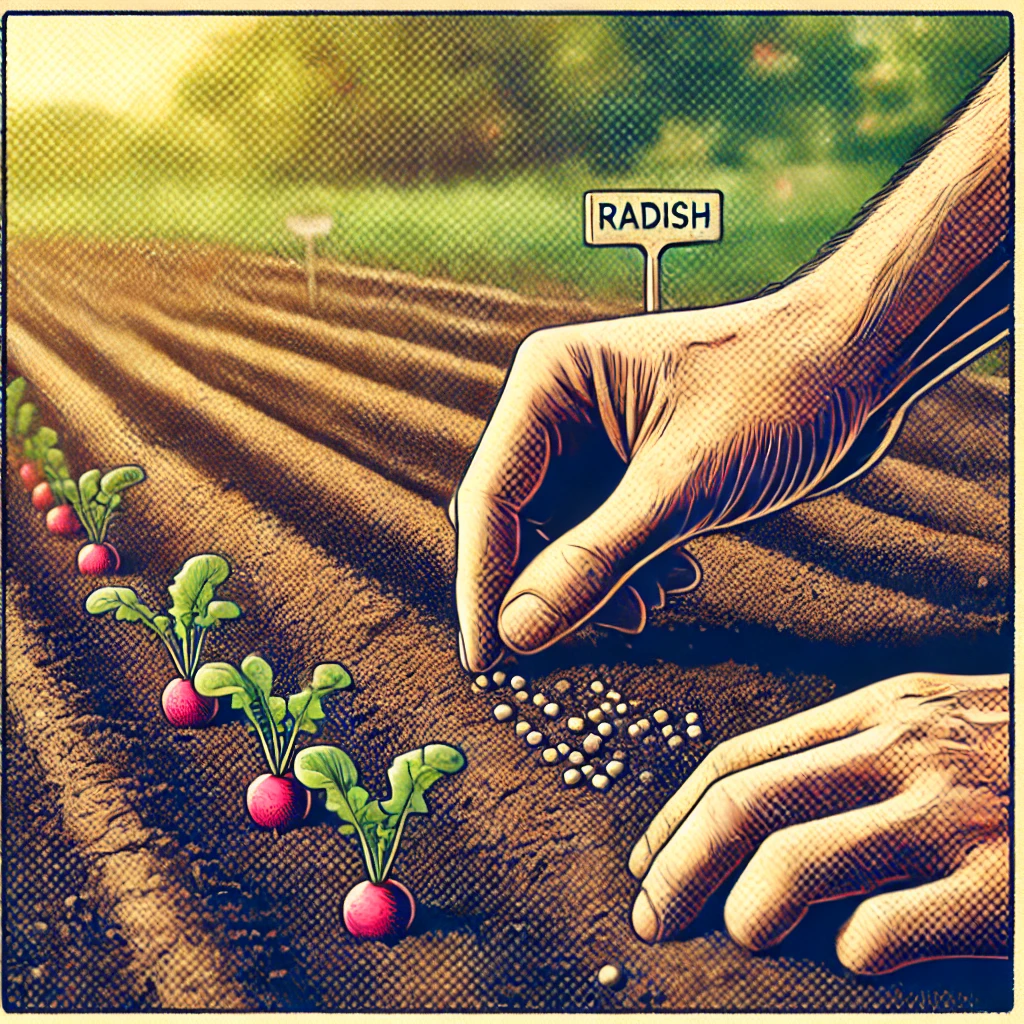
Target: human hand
x=905, y=780
x=619, y=439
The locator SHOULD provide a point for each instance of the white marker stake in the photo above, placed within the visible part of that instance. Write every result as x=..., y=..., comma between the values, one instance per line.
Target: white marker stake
x=310, y=228
x=653, y=222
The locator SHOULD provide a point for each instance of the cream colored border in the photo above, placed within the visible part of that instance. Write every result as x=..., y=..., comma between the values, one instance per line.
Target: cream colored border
x=1016, y=8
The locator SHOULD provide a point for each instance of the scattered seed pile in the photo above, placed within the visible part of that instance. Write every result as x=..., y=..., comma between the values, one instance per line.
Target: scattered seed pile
x=317, y=451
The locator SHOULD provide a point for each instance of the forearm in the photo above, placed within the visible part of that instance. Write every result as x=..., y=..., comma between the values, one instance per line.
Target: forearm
x=930, y=232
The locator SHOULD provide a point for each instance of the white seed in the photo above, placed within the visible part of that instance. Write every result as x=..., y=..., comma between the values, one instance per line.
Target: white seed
x=503, y=712
x=600, y=781
x=518, y=683
x=693, y=731
x=595, y=715
x=522, y=728
x=562, y=686
x=607, y=707
x=482, y=682
x=499, y=677
x=675, y=741
x=552, y=710
x=661, y=716
x=550, y=755
x=691, y=717
x=539, y=699
x=522, y=696
x=576, y=724
x=610, y=975
x=614, y=768
x=575, y=757
x=621, y=709
x=597, y=686
x=588, y=770
x=571, y=777
x=634, y=730
x=644, y=724
x=605, y=729
x=534, y=738
x=592, y=744
x=563, y=748
x=613, y=695
x=667, y=730
x=646, y=776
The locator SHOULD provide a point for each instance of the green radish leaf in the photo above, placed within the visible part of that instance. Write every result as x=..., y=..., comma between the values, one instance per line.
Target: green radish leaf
x=218, y=611
x=331, y=769
x=278, y=708
x=13, y=396
x=259, y=672
x=193, y=589
x=89, y=485
x=412, y=774
x=24, y=419
x=122, y=478
x=121, y=600
x=71, y=491
x=55, y=463
x=162, y=622
x=305, y=706
x=219, y=679
x=329, y=677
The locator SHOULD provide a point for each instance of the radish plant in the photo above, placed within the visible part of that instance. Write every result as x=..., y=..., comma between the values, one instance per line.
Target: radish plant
x=21, y=424
x=97, y=501
x=49, y=496
x=275, y=799
x=379, y=908
x=183, y=629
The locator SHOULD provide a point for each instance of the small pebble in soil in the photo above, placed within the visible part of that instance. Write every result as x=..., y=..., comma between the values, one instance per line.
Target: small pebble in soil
x=600, y=781
x=607, y=707
x=613, y=695
x=535, y=739
x=539, y=699
x=621, y=709
x=562, y=686
x=550, y=755
x=518, y=683
x=693, y=731
x=503, y=712
x=604, y=729
x=597, y=686
x=592, y=744
x=575, y=757
x=576, y=724
x=522, y=696
x=595, y=715
x=674, y=742
x=610, y=975
x=499, y=677
x=667, y=730
x=571, y=777
x=646, y=776
x=522, y=728
x=614, y=769
x=563, y=748
x=644, y=724
x=588, y=770
x=661, y=716
x=691, y=717
x=552, y=710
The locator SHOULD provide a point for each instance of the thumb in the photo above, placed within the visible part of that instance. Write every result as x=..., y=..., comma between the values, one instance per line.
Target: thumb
x=578, y=572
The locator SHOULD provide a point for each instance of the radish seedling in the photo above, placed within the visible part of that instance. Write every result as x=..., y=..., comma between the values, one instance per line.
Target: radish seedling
x=275, y=799
x=20, y=423
x=96, y=501
x=379, y=908
x=60, y=519
x=194, y=612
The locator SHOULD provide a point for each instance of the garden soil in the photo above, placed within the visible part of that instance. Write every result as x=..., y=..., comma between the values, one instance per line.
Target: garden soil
x=317, y=450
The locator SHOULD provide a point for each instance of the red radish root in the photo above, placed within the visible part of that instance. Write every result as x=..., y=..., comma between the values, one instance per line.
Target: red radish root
x=277, y=801
x=42, y=497
x=381, y=911
x=98, y=560
x=185, y=708
x=62, y=520
x=30, y=475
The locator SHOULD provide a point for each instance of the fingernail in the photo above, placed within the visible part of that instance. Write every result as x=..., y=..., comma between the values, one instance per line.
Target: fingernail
x=640, y=857
x=645, y=921
x=529, y=622
x=462, y=652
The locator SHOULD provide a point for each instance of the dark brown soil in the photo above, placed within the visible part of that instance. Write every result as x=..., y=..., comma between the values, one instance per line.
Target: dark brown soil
x=317, y=453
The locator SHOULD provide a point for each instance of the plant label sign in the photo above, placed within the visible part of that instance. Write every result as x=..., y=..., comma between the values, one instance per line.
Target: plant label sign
x=653, y=222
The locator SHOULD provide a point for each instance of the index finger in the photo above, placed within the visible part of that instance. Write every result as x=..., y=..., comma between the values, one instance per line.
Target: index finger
x=507, y=467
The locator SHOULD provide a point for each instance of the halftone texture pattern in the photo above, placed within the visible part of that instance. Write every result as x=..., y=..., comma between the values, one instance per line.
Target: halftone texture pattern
x=462, y=145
